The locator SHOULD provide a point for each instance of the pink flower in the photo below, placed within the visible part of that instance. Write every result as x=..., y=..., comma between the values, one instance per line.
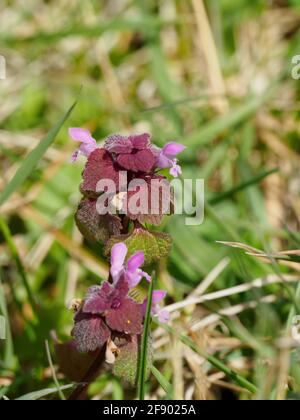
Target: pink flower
x=167, y=158
x=157, y=296
x=88, y=143
x=132, y=271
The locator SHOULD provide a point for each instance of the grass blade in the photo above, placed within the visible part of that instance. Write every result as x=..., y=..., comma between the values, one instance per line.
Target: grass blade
x=4, y=228
x=60, y=393
x=249, y=183
x=167, y=387
x=94, y=31
x=144, y=345
x=42, y=393
x=236, y=116
x=33, y=158
x=9, y=358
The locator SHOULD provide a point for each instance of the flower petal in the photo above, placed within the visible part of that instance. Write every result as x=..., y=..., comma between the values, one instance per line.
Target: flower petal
x=163, y=316
x=176, y=170
x=90, y=333
x=157, y=296
x=81, y=134
x=172, y=149
x=118, y=254
x=136, y=261
x=75, y=155
x=88, y=145
x=87, y=148
x=147, y=276
x=133, y=278
x=163, y=161
x=127, y=318
x=117, y=259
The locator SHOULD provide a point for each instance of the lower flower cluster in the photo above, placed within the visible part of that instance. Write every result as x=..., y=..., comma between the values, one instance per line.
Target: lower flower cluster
x=108, y=311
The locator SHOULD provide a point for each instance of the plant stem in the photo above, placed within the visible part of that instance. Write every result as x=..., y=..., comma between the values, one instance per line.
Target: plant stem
x=80, y=392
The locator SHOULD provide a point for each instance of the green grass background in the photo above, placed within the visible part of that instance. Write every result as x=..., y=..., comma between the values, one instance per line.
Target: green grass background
x=140, y=66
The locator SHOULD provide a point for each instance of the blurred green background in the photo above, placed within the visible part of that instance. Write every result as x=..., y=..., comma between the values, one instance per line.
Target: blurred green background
x=215, y=76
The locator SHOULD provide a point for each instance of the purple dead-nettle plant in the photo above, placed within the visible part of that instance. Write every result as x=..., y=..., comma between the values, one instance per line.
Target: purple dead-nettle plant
x=110, y=317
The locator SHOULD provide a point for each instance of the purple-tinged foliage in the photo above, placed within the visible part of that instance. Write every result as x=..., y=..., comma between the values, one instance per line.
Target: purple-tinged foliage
x=90, y=332
x=93, y=226
x=106, y=309
x=141, y=159
x=146, y=208
x=100, y=165
x=132, y=153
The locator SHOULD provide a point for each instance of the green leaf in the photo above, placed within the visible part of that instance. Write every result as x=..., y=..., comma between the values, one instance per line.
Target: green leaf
x=127, y=361
x=30, y=162
x=155, y=245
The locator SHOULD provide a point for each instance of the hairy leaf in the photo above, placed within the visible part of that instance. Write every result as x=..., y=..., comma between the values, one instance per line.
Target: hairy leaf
x=155, y=245
x=126, y=364
x=93, y=226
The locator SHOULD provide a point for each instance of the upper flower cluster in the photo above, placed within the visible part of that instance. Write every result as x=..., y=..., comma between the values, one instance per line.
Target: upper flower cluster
x=151, y=195
x=134, y=153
